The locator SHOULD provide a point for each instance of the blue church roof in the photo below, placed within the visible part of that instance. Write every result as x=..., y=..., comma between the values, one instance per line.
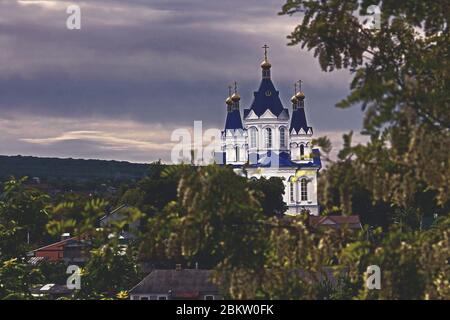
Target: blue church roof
x=298, y=120
x=233, y=120
x=266, y=98
x=283, y=159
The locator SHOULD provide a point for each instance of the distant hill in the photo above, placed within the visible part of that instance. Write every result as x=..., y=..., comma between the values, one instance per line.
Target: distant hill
x=69, y=169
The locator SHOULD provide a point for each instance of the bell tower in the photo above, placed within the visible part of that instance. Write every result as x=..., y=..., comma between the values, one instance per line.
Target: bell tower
x=234, y=136
x=299, y=132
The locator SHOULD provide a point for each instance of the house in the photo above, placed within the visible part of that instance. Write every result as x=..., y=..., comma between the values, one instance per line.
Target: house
x=117, y=215
x=335, y=222
x=69, y=250
x=178, y=284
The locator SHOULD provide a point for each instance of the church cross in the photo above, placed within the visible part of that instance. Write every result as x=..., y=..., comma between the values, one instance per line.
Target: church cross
x=265, y=47
x=300, y=85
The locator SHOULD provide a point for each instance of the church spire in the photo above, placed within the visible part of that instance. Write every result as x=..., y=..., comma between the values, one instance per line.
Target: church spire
x=233, y=121
x=298, y=119
x=265, y=65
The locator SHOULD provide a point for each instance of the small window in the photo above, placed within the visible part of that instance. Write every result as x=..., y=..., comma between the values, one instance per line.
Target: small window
x=209, y=297
x=253, y=132
x=144, y=298
x=302, y=151
x=282, y=138
x=292, y=191
x=162, y=298
x=304, y=190
x=237, y=153
x=268, y=138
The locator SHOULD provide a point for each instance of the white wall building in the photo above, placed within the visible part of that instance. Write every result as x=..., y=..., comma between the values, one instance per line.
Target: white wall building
x=271, y=142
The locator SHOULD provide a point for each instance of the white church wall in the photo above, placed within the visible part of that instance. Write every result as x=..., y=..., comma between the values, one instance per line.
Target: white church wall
x=263, y=123
x=295, y=142
x=296, y=206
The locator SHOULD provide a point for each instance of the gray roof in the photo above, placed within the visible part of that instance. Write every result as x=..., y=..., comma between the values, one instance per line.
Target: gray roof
x=51, y=288
x=352, y=222
x=113, y=212
x=185, y=280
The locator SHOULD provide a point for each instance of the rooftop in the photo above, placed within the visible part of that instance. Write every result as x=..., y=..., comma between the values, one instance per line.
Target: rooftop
x=178, y=282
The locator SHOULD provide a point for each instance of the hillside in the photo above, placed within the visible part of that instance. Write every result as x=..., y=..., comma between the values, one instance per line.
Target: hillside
x=69, y=169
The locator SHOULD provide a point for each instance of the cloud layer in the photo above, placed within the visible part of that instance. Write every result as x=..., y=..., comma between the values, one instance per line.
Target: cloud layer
x=140, y=68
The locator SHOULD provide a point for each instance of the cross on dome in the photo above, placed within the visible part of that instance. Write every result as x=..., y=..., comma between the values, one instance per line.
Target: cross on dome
x=265, y=47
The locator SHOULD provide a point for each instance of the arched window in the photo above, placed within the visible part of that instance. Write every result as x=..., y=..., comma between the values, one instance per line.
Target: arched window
x=302, y=151
x=282, y=138
x=304, y=190
x=292, y=191
x=253, y=141
x=237, y=152
x=268, y=138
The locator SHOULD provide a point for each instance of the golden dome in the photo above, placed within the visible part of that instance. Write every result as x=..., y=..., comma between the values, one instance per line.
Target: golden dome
x=300, y=95
x=235, y=97
x=229, y=101
x=266, y=64
x=294, y=99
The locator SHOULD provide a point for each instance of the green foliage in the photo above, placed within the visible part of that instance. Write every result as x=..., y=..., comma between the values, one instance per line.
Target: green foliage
x=88, y=214
x=16, y=279
x=112, y=266
x=401, y=80
x=155, y=190
x=111, y=270
x=23, y=217
x=52, y=271
x=325, y=146
x=414, y=265
x=133, y=197
x=365, y=181
x=219, y=205
x=270, y=195
x=217, y=221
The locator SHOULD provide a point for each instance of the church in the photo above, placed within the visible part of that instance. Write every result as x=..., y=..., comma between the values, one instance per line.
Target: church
x=269, y=140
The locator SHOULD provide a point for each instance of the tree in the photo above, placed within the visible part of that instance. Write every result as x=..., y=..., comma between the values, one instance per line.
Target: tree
x=401, y=79
x=16, y=279
x=215, y=221
x=413, y=264
x=270, y=195
x=157, y=190
x=23, y=216
x=133, y=197
x=111, y=270
x=112, y=266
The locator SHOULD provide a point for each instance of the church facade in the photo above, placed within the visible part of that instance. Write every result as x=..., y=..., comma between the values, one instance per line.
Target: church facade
x=269, y=140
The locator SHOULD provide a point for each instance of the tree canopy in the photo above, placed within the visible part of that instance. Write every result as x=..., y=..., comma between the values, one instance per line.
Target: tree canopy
x=401, y=81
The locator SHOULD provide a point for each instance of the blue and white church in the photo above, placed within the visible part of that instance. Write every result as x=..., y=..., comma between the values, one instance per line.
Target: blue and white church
x=269, y=140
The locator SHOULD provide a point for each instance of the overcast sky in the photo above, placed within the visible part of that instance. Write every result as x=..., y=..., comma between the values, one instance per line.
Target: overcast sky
x=138, y=69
